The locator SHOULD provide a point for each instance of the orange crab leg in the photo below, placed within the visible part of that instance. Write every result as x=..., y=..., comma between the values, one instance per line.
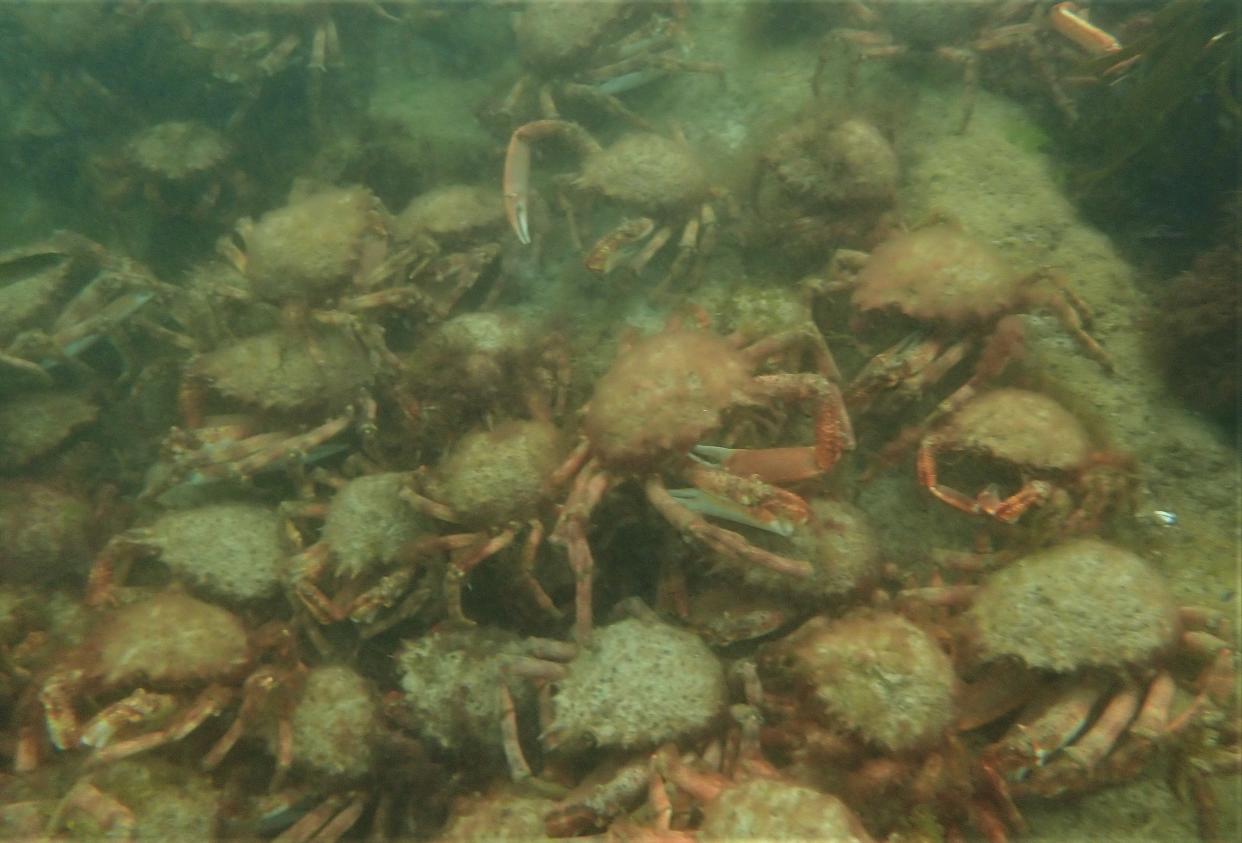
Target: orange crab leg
x=1107, y=729
x=779, y=466
x=1006, y=510
x=516, y=183
x=1067, y=20
x=257, y=688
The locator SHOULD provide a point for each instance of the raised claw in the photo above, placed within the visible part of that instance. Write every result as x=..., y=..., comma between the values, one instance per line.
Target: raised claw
x=771, y=465
x=517, y=185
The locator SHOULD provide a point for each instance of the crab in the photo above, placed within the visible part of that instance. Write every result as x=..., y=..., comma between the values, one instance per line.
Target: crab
x=232, y=550
x=742, y=804
x=458, y=691
x=58, y=298
x=34, y=424
x=371, y=547
x=872, y=698
x=837, y=542
x=494, y=482
x=643, y=683
x=460, y=224
x=451, y=214
x=301, y=29
x=326, y=728
x=129, y=800
x=331, y=248
x=236, y=449
x=834, y=184
x=965, y=295
x=1045, y=443
x=1105, y=625
x=660, y=398
x=893, y=28
x=313, y=247
x=278, y=378
x=475, y=365
x=180, y=168
x=137, y=667
x=641, y=172
x=49, y=528
x=591, y=52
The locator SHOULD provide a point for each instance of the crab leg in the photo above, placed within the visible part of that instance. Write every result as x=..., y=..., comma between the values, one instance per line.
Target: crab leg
x=255, y=692
x=526, y=568
x=779, y=466
x=1046, y=725
x=112, y=816
x=141, y=705
x=516, y=184
x=589, y=487
x=1007, y=510
x=519, y=767
x=208, y=704
x=611, y=249
x=1067, y=20
x=834, y=434
x=1108, y=728
x=725, y=542
x=56, y=697
x=461, y=567
x=327, y=822
x=743, y=500
x=592, y=805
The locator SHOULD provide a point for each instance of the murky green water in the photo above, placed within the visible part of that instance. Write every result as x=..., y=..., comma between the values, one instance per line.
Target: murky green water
x=487, y=420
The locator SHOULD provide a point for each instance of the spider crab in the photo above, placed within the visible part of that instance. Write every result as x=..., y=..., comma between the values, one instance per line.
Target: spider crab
x=592, y=52
x=965, y=297
x=1103, y=625
x=661, y=397
x=1048, y=447
x=493, y=483
x=889, y=29
x=59, y=297
x=643, y=171
x=873, y=695
x=140, y=661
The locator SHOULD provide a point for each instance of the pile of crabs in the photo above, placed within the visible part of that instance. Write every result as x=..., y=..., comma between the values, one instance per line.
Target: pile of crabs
x=337, y=535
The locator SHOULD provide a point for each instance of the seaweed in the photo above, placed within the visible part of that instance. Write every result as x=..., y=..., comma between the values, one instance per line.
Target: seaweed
x=1191, y=48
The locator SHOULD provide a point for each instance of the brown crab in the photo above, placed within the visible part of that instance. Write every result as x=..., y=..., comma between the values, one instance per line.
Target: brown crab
x=332, y=249
x=873, y=696
x=367, y=554
x=833, y=182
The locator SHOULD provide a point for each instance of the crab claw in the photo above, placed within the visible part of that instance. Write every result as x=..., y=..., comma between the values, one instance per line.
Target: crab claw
x=517, y=185
x=517, y=165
